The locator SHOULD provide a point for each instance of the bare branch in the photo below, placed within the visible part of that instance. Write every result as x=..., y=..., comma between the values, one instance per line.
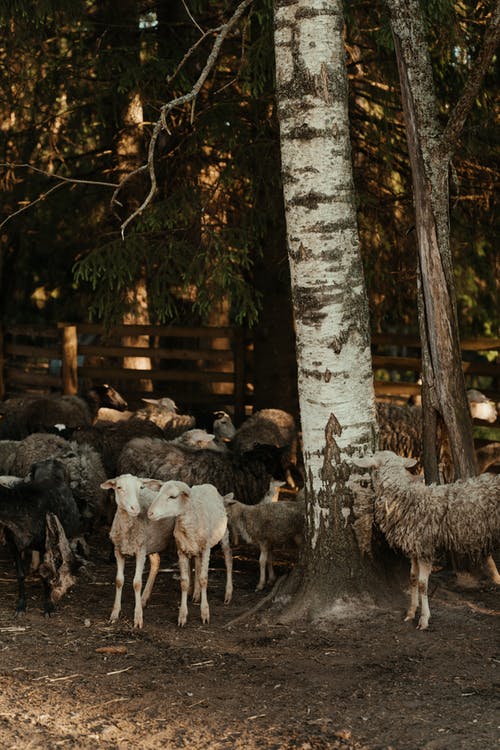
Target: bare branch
x=463, y=106
x=192, y=17
x=58, y=176
x=31, y=203
x=161, y=123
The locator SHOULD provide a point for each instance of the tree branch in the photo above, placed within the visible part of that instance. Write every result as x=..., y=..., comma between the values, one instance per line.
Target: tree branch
x=463, y=106
x=161, y=123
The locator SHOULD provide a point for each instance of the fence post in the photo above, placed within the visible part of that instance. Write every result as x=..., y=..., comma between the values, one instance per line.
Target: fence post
x=2, y=363
x=69, y=354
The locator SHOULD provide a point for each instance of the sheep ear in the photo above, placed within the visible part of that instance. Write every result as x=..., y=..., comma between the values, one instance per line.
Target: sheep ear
x=154, y=401
x=152, y=484
x=109, y=484
x=409, y=463
x=229, y=499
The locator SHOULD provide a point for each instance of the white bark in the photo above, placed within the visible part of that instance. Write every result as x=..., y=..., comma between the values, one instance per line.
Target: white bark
x=336, y=393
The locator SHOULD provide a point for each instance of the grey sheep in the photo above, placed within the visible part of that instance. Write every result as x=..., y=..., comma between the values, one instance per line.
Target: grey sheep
x=83, y=464
x=246, y=475
x=421, y=520
x=109, y=438
x=267, y=525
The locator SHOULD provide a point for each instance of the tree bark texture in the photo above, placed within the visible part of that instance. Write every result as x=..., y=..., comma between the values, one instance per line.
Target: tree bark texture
x=443, y=379
x=335, y=380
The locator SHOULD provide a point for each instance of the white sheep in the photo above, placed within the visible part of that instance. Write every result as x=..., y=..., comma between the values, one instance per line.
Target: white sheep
x=267, y=525
x=200, y=523
x=462, y=517
x=132, y=533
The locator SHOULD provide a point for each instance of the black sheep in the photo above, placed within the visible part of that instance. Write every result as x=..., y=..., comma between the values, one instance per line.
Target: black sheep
x=26, y=511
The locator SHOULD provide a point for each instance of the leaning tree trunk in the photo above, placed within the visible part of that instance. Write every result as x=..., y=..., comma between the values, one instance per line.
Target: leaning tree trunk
x=335, y=381
x=430, y=149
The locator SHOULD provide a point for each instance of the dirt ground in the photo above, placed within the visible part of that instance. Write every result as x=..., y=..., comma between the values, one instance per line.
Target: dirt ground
x=76, y=681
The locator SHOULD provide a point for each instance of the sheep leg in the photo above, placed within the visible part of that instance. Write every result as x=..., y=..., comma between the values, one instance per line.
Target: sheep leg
x=184, y=573
x=228, y=560
x=262, y=565
x=196, y=586
x=140, y=561
x=48, y=606
x=271, y=575
x=412, y=609
x=20, y=574
x=119, y=580
x=204, y=608
x=424, y=571
x=154, y=566
x=491, y=570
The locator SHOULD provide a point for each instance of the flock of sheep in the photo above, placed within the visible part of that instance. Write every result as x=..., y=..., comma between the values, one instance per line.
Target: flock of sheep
x=155, y=476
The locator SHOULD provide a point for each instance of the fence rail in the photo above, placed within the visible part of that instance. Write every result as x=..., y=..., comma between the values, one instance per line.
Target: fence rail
x=209, y=366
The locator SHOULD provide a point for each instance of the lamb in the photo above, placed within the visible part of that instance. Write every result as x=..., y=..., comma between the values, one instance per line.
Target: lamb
x=269, y=427
x=267, y=525
x=25, y=517
x=421, y=520
x=132, y=533
x=200, y=523
x=246, y=475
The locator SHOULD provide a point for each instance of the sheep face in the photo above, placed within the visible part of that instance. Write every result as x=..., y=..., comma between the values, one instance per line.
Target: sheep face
x=382, y=457
x=171, y=501
x=126, y=488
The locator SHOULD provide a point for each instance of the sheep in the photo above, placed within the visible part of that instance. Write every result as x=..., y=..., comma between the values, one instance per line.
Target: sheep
x=269, y=427
x=109, y=438
x=420, y=520
x=132, y=533
x=163, y=413
x=22, y=416
x=83, y=464
x=7, y=450
x=247, y=475
x=267, y=525
x=24, y=508
x=401, y=429
x=200, y=523
x=197, y=439
x=481, y=407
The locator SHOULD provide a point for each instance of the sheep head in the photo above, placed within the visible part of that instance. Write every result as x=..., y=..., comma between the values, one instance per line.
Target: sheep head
x=171, y=499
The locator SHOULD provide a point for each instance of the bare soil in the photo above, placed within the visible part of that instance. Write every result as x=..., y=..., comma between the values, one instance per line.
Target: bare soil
x=76, y=681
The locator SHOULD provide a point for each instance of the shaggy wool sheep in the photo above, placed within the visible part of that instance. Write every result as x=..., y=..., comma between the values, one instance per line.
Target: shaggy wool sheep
x=421, y=520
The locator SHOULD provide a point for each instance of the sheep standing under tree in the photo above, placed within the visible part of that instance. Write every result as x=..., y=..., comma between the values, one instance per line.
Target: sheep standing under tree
x=422, y=520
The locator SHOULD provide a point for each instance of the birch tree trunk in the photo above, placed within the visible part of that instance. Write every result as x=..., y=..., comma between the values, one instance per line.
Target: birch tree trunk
x=335, y=381
x=430, y=149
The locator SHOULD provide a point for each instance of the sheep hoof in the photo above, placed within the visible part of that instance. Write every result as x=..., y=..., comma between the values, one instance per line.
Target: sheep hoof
x=422, y=625
x=259, y=587
x=409, y=617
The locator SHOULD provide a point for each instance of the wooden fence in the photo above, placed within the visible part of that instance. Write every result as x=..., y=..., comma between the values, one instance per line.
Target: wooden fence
x=204, y=366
